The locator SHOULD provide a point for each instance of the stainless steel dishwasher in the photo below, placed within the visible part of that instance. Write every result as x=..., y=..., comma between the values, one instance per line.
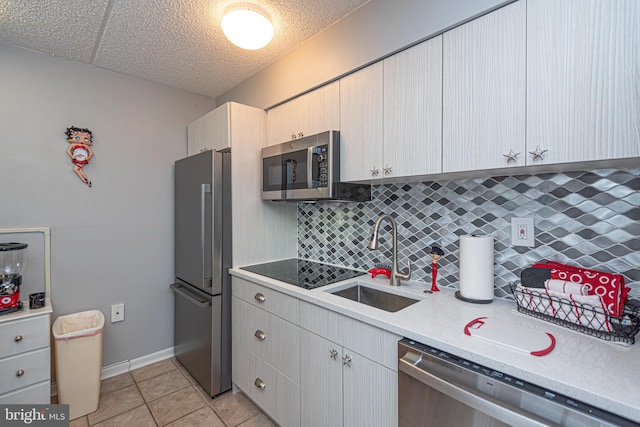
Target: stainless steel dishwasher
x=436, y=388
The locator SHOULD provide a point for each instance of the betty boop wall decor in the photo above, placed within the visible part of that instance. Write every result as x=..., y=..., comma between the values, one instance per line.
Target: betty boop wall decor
x=80, y=140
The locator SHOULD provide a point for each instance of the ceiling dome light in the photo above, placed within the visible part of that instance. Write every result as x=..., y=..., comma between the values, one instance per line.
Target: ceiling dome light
x=247, y=27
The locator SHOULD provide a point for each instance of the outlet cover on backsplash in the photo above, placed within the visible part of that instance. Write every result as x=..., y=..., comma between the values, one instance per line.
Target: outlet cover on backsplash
x=589, y=219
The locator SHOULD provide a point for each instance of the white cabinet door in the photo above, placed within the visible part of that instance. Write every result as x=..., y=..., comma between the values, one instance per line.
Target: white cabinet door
x=413, y=111
x=583, y=79
x=210, y=132
x=320, y=382
x=484, y=91
x=361, y=127
x=309, y=114
x=370, y=392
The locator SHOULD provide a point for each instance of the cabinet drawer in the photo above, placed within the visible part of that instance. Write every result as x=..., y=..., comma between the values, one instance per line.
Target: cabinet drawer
x=372, y=342
x=270, y=337
x=24, y=335
x=279, y=397
x=37, y=394
x=275, y=302
x=24, y=369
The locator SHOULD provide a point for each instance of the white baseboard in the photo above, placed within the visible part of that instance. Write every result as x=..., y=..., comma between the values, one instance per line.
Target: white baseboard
x=128, y=365
x=138, y=362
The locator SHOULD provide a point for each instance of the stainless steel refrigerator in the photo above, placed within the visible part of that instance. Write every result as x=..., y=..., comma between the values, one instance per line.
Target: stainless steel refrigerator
x=202, y=333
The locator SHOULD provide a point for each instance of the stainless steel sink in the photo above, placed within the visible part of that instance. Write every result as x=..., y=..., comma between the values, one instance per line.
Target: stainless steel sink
x=376, y=298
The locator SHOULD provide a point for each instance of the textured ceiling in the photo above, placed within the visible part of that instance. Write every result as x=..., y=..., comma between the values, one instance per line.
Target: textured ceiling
x=178, y=43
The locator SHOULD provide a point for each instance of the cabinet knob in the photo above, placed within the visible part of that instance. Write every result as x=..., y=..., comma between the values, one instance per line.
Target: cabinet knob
x=300, y=134
x=346, y=361
x=387, y=170
x=333, y=353
x=293, y=136
x=259, y=297
x=375, y=171
x=538, y=154
x=260, y=335
x=511, y=156
x=19, y=373
x=18, y=338
x=260, y=384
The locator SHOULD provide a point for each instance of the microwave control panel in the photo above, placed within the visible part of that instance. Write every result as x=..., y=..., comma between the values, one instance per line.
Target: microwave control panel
x=320, y=166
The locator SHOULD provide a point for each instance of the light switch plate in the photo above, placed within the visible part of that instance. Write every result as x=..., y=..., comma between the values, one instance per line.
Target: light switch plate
x=523, y=232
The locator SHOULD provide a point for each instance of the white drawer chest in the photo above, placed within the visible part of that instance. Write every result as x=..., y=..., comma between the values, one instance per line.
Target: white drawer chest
x=25, y=343
x=25, y=356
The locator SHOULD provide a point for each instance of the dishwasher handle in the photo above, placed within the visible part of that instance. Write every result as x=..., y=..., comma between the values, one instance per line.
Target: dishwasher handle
x=479, y=401
x=195, y=299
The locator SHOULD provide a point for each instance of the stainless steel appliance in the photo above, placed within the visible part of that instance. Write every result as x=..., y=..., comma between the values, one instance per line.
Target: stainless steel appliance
x=436, y=388
x=308, y=169
x=303, y=273
x=202, y=325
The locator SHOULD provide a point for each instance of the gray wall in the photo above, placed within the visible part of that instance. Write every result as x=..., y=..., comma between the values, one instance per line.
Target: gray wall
x=372, y=32
x=112, y=243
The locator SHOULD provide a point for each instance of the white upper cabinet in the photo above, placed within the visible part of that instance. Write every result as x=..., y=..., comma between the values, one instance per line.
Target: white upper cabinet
x=210, y=132
x=361, y=126
x=312, y=113
x=484, y=65
x=413, y=111
x=583, y=79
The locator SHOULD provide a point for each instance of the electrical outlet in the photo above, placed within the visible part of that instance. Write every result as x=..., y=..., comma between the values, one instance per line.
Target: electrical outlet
x=523, y=232
x=117, y=313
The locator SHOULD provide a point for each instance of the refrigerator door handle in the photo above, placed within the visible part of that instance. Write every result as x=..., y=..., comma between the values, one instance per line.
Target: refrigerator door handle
x=204, y=189
x=190, y=296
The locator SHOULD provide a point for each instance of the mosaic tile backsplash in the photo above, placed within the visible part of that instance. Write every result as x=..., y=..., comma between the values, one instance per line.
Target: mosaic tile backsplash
x=589, y=219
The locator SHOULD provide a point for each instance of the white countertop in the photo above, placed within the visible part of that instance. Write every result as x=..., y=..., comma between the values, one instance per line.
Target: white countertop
x=27, y=312
x=597, y=372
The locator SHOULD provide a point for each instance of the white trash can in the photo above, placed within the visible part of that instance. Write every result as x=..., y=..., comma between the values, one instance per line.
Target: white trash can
x=78, y=349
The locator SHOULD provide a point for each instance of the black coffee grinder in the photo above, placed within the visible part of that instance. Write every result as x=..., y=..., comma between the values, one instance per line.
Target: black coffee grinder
x=11, y=265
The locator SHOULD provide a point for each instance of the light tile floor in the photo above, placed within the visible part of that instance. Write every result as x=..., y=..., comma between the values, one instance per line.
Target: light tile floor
x=165, y=394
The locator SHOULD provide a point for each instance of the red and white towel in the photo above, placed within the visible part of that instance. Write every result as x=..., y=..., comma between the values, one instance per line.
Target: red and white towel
x=566, y=287
x=609, y=287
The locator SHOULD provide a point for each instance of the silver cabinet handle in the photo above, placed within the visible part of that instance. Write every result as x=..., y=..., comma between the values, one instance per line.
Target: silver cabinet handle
x=346, y=361
x=538, y=154
x=260, y=384
x=375, y=171
x=18, y=338
x=19, y=373
x=259, y=297
x=333, y=353
x=387, y=170
x=260, y=335
x=511, y=156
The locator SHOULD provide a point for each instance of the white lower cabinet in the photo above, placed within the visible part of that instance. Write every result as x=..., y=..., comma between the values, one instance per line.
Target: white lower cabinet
x=339, y=387
x=348, y=371
x=266, y=350
x=306, y=365
x=25, y=360
x=275, y=393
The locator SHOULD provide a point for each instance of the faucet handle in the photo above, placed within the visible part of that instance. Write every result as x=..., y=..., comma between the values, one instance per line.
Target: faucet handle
x=405, y=276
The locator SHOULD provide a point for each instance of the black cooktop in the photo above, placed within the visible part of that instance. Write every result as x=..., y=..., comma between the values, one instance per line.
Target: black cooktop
x=303, y=273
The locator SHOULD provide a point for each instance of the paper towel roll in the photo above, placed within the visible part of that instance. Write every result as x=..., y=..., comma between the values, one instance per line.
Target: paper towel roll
x=476, y=268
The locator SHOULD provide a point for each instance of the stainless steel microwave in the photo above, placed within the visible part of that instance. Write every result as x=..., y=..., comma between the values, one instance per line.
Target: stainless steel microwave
x=308, y=169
